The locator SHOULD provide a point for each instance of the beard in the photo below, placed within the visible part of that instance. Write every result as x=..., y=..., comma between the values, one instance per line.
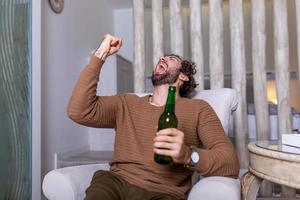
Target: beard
x=169, y=77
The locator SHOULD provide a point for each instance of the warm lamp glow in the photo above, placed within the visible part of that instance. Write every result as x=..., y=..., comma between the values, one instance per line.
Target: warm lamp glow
x=271, y=92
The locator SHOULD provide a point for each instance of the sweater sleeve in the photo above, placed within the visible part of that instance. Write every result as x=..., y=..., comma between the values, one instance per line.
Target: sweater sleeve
x=218, y=156
x=88, y=109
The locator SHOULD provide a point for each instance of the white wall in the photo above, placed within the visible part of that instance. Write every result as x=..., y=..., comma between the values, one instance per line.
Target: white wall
x=103, y=139
x=67, y=40
x=123, y=27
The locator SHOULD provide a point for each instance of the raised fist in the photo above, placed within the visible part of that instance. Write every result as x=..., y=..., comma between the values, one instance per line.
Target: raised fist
x=109, y=46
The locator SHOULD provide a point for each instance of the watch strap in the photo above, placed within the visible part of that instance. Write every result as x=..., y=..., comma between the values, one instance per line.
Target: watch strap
x=191, y=165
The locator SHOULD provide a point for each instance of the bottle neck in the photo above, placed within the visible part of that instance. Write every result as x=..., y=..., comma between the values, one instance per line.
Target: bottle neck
x=170, y=108
x=170, y=104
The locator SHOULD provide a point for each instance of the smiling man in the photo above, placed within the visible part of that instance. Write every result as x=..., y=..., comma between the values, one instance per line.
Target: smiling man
x=198, y=144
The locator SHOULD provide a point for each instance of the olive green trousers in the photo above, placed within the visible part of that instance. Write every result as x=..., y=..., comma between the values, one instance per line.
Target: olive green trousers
x=106, y=185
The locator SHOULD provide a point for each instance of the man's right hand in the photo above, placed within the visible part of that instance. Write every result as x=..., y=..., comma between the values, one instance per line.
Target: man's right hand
x=109, y=46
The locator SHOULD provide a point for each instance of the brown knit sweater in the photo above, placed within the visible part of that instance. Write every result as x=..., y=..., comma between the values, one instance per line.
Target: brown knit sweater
x=135, y=121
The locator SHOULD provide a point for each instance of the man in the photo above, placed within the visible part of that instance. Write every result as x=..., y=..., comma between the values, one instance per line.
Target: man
x=199, y=144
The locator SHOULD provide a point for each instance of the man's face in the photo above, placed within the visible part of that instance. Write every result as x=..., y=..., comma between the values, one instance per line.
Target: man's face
x=166, y=71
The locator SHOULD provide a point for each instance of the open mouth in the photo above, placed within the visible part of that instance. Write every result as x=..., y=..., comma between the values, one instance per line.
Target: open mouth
x=161, y=68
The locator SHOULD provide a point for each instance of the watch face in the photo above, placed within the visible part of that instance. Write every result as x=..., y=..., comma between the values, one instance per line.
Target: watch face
x=195, y=157
x=57, y=5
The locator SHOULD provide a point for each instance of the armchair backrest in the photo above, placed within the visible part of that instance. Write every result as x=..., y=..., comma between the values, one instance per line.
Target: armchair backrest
x=224, y=101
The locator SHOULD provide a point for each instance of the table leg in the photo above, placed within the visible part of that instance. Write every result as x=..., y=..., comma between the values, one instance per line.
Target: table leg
x=250, y=185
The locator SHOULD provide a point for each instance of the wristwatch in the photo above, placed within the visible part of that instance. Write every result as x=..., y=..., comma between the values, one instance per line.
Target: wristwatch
x=195, y=157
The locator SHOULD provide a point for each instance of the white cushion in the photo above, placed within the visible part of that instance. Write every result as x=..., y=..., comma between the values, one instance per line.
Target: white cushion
x=216, y=188
x=224, y=101
x=70, y=183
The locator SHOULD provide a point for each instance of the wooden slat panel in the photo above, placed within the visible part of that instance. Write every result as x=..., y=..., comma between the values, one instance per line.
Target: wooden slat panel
x=239, y=79
x=281, y=51
x=216, y=60
x=157, y=22
x=176, y=29
x=196, y=40
x=139, y=46
x=259, y=69
x=260, y=79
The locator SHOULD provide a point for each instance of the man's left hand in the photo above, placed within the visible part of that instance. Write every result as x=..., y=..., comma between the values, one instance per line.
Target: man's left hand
x=170, y=142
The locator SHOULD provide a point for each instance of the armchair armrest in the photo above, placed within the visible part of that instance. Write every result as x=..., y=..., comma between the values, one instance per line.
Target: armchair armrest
x=70, y=183
x=216, y=188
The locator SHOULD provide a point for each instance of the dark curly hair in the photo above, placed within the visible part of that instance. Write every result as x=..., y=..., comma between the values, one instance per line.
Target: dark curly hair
x=188, y=68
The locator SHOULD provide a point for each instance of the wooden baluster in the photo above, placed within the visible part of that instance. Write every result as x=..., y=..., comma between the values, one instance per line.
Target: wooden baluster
x=260, y=79
x=196, y=40
x=157, y=22
x=281, y=51
x=176, y=29
x=216, y=60
x=139, y=46
x=239, y=79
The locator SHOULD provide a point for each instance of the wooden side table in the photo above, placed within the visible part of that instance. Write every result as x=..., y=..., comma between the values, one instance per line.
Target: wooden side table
x=270, y=161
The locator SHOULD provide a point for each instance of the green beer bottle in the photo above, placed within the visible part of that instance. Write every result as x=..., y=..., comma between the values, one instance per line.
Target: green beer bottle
x=167, y=119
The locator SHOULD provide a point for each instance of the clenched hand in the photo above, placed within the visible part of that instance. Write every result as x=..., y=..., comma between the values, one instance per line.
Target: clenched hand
x=170, y=142
x=109, y=46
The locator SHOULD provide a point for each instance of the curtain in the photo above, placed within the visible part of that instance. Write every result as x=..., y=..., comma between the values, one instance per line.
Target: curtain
x=15, y=99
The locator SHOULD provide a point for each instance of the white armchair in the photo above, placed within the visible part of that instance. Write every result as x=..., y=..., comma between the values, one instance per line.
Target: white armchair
x=70, y=183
